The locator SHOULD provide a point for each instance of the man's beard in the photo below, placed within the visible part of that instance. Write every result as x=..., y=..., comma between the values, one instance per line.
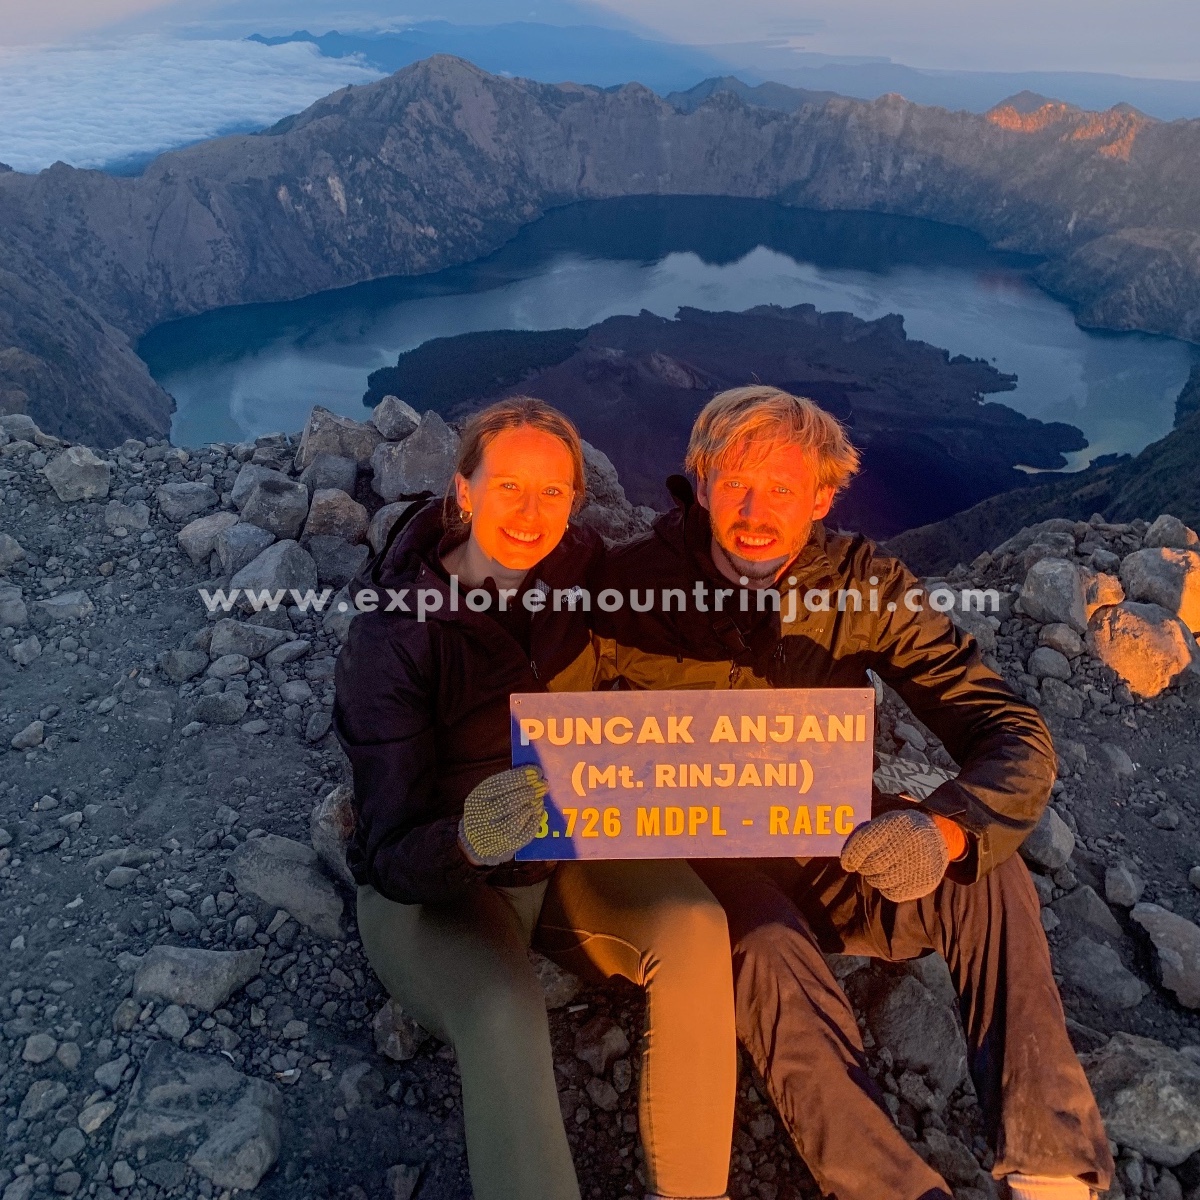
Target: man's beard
x=760, y=574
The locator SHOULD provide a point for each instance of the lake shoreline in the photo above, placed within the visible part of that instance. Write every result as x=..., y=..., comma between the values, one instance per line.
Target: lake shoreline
x=241, y=371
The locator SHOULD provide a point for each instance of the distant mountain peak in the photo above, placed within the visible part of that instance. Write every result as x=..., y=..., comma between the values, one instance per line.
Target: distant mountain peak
x=1114, y=131
x=1029, y=102
x=777, y=96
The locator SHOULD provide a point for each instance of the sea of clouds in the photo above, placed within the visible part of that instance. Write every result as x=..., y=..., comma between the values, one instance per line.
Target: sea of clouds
x=117, y=101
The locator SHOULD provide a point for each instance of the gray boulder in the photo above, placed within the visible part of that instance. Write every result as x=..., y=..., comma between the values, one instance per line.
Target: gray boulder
x=288, y=652
x=1122, y=887
x=1099, y=590
x=1148, y=1095
x=1061, y=699
x=199, y=537
x=12, y=606
x=1050, y=844
x=68, y=606
x=330, y=471
x=284, y=873
x=339, y=612
x=182, y=665
x=1118, y=759
x=229, y=665
x=42, y=1097
x=179, y=501
x=77, y=474
x=241, y=637
x=397, y=1035
x=424, y=461
x=197, y=1107
x=133, y=518
x=279, y=568
x=559, y=986
x=19, y=426
x=337, y=560
x=382, y=522
x=606, y=508
x=11, y=551
x=924, y=1034
x=335, y=514
x=1097, y=969
x=1053, y=593
x=394, y=418
x=977, y=625
x=1167, y=577
x=1145, y=644
x=1048, y=544
x=950, y=1159
x=1084, y=907
x=1177, y=949
x=330, y=827
x=223, y=708
x=273, y=450
x=239, y=544
x=1046, y=662
x=205, y=979
x=327, y=432
x=248, y=478
x=278, y=505
x=1170, y=531
x=1062, y=638
x=25, y=651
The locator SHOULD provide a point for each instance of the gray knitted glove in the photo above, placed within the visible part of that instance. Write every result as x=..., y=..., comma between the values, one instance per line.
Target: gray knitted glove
x=502, y=815
x=901, y=854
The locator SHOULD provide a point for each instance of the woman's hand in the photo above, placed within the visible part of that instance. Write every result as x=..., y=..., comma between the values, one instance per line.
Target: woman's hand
x=502, y=815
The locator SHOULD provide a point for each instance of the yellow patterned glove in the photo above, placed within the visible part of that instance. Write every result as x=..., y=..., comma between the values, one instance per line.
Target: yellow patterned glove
x=502, y=815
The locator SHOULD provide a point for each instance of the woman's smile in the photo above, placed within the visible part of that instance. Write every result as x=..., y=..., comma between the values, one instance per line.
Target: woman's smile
x=520, y=535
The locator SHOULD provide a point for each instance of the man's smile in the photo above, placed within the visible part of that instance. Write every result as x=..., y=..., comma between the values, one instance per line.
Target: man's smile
x=753, y=541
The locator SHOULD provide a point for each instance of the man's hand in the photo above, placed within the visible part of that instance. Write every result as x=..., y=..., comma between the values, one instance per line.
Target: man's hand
x=502, y=815
x=901, y=854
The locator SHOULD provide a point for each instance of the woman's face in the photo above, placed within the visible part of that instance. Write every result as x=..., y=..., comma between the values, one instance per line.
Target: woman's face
x=519, y=497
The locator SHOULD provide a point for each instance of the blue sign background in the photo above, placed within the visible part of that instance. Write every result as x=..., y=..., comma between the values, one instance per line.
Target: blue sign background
x=753, y=773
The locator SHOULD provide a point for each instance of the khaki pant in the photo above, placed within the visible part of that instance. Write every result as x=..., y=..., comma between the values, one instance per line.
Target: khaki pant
x=462, y=971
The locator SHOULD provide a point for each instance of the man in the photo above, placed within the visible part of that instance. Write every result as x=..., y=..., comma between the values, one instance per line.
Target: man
x=936, y=876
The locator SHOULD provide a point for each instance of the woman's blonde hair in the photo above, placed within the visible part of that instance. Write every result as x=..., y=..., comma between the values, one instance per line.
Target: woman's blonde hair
x=733, y=421
x=513, y=412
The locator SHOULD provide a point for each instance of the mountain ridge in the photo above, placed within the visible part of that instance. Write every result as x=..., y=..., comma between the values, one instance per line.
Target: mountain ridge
x=441, y=163
x=1164, y=477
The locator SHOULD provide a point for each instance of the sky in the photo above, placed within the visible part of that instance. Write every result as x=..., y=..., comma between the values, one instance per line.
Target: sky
x=109, y=83
x=1155, y=38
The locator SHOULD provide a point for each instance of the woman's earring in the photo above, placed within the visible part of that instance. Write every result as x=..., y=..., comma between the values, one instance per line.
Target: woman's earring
x=466, y=516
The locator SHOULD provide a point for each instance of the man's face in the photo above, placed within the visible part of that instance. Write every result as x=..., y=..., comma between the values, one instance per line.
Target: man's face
x=762, y=508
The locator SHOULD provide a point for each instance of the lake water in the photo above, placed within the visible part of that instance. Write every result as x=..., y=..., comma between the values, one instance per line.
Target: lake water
x=240, y=372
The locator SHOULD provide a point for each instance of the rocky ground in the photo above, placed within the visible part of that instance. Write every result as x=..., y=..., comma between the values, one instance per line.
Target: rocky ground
x=186, y=1009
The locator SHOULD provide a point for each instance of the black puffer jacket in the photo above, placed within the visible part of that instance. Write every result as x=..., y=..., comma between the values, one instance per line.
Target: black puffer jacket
x=422, y=708
x=1000, y=742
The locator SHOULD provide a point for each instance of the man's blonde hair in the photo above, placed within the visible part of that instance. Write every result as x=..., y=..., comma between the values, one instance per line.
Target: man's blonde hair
x=732, y=422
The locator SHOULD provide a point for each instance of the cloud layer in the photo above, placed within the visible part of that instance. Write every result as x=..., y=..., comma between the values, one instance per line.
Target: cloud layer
x=124, y=99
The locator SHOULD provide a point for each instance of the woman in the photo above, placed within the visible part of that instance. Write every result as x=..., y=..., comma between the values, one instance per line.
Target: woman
x=446, y=915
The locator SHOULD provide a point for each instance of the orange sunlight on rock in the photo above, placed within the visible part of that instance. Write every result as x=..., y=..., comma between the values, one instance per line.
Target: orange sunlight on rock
x=1117, y=127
